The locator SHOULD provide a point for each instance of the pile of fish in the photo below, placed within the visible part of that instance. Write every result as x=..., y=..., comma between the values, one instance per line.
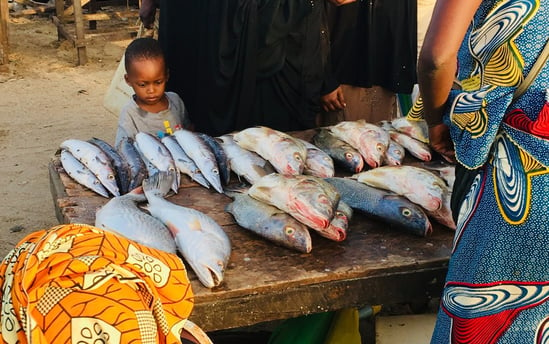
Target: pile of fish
x=169, y=227
x=281, y=208
x=116, y=171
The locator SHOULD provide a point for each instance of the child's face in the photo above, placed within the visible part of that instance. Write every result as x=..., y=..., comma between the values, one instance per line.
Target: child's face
x=147, y=78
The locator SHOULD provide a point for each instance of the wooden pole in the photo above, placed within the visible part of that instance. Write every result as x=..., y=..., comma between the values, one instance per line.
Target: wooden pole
x=4, y=42
x=80, y=43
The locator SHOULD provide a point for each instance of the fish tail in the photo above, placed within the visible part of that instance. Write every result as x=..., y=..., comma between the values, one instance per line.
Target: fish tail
x=158, y=184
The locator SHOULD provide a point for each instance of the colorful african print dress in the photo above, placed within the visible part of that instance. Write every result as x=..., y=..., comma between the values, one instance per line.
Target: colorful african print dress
x=497, y=287
x=80, y=284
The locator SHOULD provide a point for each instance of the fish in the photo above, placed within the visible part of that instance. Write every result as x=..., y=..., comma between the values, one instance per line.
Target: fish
x=244, y=163
x=122, y=216
x=154, y=151
x=200, y=240
x=417, y=148
x=419, y=185
x=444, y=214
x=269, y=222
x=151, y=168
x=386, y=206
x=80, y=173
x=183, y=162
x=445, y=170
x=416, y=128
x=138, y=170
x=317, y=163
x=120, y=165
x=341, y=219
x=220, y=157
x=285, y=153
x=201, y=154
x=308, y=199
x=96, y=160
x=340, y=151
x=369, y=139
x=394, y=155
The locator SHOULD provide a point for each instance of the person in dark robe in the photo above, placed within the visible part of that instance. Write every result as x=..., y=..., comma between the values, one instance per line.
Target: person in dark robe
x=241, y=63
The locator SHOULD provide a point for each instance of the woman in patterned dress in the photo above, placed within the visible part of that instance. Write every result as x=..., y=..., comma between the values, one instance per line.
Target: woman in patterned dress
x=475, y=57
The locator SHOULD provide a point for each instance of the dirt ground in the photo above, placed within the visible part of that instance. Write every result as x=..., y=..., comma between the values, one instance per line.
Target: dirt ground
x=44, y=99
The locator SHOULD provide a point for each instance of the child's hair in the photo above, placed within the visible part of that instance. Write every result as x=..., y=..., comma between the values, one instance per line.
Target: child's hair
x=142, y=48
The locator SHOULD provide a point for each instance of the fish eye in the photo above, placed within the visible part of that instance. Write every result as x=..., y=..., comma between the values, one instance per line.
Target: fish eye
x=297, y=156
x=406, y=212
x=340, y=214
x=111, y=176
x=348, y=155
x=215, y=171
x=290, y=230
x=379, y=147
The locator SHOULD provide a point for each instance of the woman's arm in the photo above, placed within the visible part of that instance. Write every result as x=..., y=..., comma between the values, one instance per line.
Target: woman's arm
x=438, y=62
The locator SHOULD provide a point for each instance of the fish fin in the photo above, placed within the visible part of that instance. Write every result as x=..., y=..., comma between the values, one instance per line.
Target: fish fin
x=173, y=229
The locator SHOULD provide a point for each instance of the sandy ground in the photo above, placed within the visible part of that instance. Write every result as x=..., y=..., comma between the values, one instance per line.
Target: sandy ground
x=44, y=99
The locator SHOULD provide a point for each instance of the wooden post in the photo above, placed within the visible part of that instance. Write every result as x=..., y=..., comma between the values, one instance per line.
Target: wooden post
x=59, y=9
x=80, y=43
x=4, y=42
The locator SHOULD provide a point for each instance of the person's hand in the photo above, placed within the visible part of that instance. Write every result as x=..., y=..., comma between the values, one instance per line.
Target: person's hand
x=333, y=101
x=440, y=142
x=341, y=2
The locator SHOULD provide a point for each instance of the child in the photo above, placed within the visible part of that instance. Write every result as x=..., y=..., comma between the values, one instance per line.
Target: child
x=151, y=109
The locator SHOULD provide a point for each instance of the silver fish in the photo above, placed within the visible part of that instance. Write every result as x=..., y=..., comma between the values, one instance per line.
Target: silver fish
x=444, y=214
x=387, y=206
x=394, y=155
x=417, y=184
x=202, y=242
x=120, y=165
x=94, y=159
x=138, y=170
x=317, y=163
x=80, y=173
x=341, y=219
x=121, y=215
x=308, y=199
x=157, y=154
x=220, y=157
x=201, y=154
x=245, y=163
x=416, y=128
x=285, y=153
x=417, y=148
x=342, y=153
x=151, y=168
x=183, y=162
x=369, y=139
x=269, y=222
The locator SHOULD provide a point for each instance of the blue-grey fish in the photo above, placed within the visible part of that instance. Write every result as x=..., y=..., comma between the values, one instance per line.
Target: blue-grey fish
x=202, y=155
x=394, y=209
x=154, y=151
x=183, y=162
x=96, y=160
x=245, y=163
x=308, y=199
x=369, y=139
x=419, y=185
x=80, y=173
x=220, y=157
x=202, y=242
x=121, y=215
x=342, y=153
x=395, y=154
x=120, y=165
x=285, y=153
x=138, y=170
x=269, y=222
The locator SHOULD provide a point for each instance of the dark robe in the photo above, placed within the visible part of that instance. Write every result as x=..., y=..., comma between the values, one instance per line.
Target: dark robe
x=241, y=63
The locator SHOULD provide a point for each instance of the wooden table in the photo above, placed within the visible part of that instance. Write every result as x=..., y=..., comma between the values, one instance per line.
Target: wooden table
x=376, y=264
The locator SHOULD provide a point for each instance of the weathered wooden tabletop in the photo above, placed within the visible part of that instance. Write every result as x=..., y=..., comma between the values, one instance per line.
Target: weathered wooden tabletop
x=376, y=264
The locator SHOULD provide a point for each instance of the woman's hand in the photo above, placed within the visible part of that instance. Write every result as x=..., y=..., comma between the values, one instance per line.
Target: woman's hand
x=333, y=101
x=440, y=142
